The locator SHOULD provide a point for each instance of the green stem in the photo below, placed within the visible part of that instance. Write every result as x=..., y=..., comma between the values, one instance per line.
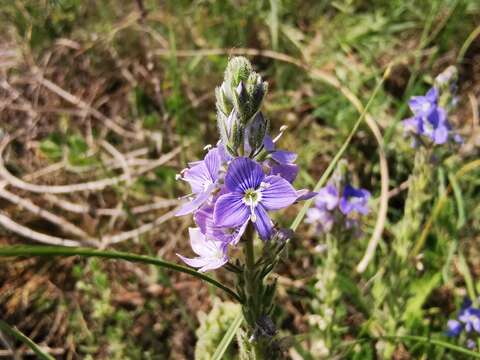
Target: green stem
x=249, y=248
x=250, y=285
x=86, y=252
x=17, y=334
x=252, y=288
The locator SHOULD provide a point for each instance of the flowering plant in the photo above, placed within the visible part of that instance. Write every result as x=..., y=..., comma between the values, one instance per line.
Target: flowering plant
x=234, y=189
x=338, y=205
x=468, y=321
x=430, y=119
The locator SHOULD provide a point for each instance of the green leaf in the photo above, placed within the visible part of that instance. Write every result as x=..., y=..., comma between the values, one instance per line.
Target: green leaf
x=465, y=271
x=50, y=251
x=17, y=334
x=51, y=149
x=421, y=288
x=227, y=339
x=77, y=145
x=457, y=192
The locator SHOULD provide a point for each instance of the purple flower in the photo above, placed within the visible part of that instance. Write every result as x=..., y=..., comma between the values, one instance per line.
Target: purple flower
x=228, y=235
x=202, y=177
x=437, y=127
x=424, y=105
x=328, y=199
x=468, y=320
x=470, y=317
x=429, y=119
x=280, y=156
x=454, y=328
x=323, y=218
x=212, y=253
x=354, y=200
x=250, y=196
x=280, y=162
x=471, y=344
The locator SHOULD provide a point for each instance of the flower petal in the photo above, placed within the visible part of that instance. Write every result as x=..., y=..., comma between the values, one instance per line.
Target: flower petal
x=230, y=211
x=243, y=174
x=204, y=264
x=213, y=163
x=198, y=176
x=193, y=205
x=196, y=262
x=413, y=125
x=268, y=143
x=432, y=95
x=454, y=328
x=284, y=157
x=239, y=233
x=305, y=194
x=263, y=224
x=288, y=171
x=214, y=264
x=354, y=200
x=278, y=193
x=440, y=135
x=198, y=242
x=327, y=198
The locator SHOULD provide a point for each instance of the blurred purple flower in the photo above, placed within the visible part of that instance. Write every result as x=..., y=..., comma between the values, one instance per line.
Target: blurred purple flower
x=328, y=199
x=354, y=200
x=471, y=344
x=470, y=317
x=429, y=119
x=323, y=218
x=212, y=253
x=468, y=320
x=250, y=196
x=424, y=105
x=454, y=328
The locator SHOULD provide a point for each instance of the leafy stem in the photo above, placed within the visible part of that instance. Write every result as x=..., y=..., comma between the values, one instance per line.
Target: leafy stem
x=49, y=251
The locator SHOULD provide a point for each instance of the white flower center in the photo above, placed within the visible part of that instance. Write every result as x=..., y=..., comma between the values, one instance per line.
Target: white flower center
x=426, y=106
x=251, y=198
x=206, y=185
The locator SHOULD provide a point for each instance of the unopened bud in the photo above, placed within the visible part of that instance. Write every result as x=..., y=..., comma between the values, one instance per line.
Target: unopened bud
x=256, y=131
x=241, y=102
x=223, y=102
x=238, y=69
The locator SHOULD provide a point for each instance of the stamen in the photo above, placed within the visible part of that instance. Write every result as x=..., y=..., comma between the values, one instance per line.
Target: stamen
x=282, y=130
x=253, y=216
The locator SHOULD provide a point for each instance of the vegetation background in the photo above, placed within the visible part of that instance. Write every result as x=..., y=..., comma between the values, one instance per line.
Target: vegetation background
x=124, y=90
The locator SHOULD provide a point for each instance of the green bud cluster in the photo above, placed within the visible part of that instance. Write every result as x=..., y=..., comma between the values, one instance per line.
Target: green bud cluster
x=238, y=101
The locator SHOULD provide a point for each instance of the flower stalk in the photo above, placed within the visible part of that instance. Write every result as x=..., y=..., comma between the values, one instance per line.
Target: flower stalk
x=234, y=188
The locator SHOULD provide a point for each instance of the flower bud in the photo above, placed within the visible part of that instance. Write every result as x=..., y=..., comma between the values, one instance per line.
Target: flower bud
x=223, y=102
x=238, y=69
x=241, y=102
x=231, y=131
x=256, y=131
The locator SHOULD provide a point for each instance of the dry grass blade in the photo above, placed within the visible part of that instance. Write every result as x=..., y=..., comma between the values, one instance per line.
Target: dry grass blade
x=88, y=186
